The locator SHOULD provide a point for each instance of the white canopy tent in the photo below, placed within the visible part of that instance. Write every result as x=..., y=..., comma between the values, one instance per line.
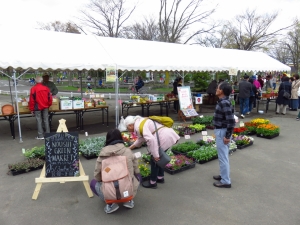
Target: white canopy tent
x=46, y=50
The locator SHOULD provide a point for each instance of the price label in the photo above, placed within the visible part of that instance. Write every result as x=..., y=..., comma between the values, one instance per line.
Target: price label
x=242, y=124
x=138, y=155
x=187, y=136
x=86, y=133
x=201, y=116
x=23, y=150
x=204, y=132
x=97, y=95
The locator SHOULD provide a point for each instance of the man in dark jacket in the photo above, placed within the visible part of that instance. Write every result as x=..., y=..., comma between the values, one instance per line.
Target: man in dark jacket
x=177, y=83
x=49, y=84
x=245, y=88
x=40, y=100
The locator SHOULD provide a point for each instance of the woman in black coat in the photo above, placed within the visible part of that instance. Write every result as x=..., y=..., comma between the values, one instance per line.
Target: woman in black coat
x=282, y=102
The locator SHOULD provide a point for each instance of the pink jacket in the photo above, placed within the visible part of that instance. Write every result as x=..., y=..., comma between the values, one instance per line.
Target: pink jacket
x=167, y=136
x=257, y=84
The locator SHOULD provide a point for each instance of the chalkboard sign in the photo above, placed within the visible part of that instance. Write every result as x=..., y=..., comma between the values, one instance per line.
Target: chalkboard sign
x=61, y=151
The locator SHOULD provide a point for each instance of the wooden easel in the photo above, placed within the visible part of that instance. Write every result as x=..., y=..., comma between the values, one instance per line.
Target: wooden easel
x=182, y=117
x=43, y=179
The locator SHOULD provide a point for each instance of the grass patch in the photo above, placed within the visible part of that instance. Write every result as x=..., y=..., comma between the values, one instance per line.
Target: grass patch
x=111, y=90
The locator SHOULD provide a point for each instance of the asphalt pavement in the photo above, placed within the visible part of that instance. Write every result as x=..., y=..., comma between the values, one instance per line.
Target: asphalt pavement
x=264, y=182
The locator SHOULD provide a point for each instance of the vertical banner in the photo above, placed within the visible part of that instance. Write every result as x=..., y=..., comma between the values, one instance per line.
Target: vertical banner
x=111, y=74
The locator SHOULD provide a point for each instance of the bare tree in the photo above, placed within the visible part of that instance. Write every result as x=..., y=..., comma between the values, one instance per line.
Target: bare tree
x=293, y=44
x=145, y=30
x=174, y=22
x=58, y=26
x=215, y=39
x=280, y=52
x=250, y=31
x=106, y=17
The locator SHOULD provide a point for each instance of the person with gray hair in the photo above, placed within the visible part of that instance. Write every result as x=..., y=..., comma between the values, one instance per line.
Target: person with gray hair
x=40, y=100
x=167, y=138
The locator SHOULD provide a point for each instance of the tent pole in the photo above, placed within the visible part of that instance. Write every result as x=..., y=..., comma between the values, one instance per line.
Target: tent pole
x=80, y=77
x=12, y=102
x=19, y=123
x=116, y=93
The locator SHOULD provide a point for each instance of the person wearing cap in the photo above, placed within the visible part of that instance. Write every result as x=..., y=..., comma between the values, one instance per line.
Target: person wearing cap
x=52, y=87
x=40, y=100
x=244, y=95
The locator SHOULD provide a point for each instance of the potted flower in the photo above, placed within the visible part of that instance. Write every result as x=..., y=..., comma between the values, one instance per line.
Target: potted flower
x=259, y=121
x=145, y=171
x=35, y=152
x=240, y=130
x=178, y=164
x=26, y=166
x=184, y=148
x=268, y=131
x=204, y=154
x=251, y=128
x=242, y=141
x=91, y=147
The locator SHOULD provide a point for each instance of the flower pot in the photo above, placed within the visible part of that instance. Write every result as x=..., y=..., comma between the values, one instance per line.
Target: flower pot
x=203, y=161
x=17, y=172
x=179, y=153
x=244, y=146
x=145, y=178
x=7, y=109
x=172, y=172
x=88, y=157
x=267, y=137
x=210, y=127
x=266, y=95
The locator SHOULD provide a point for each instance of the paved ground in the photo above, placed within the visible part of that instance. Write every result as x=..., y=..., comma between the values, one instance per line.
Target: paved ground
x=264, y=184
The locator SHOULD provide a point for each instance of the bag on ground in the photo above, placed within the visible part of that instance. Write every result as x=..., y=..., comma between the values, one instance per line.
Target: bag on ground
x=122, y=126
x=117, y=185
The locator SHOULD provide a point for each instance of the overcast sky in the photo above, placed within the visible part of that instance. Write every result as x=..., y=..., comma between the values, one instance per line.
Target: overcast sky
x=26, y=13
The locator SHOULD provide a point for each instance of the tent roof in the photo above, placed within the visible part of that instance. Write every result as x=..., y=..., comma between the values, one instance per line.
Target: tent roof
x=48, y=50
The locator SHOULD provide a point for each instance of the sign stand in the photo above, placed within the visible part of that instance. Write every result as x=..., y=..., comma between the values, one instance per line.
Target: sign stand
x=43, y=179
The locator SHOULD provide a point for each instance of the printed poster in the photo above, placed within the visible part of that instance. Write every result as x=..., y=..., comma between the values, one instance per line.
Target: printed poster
x=185, y=98
x=111, y=74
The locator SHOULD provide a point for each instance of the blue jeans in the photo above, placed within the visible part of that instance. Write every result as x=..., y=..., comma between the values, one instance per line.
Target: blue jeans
x=155, y=170
x=42, y=120
x=223, y=155
x=96, y=188
x=244, y=105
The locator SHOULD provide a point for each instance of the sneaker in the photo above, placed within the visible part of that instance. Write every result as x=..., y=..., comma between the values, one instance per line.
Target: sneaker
x=247, y=113
x=242, y=116
x=297, y=119
x=129, y=204
x=111, y=208
x=39, y=138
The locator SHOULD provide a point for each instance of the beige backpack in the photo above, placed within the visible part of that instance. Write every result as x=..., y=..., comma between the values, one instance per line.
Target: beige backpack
x=117, y=184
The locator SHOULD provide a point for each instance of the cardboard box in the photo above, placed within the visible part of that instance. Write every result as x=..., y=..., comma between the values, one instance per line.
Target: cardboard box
x=23, y=107
x=89, y=104
x=66, y=104
x=55, y=104
x=78, y=104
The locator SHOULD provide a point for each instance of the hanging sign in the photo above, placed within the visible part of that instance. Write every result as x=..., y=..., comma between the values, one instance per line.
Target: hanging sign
x=233, y=71
x=111, y=74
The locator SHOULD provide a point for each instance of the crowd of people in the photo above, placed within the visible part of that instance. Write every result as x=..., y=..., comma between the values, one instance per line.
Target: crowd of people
x=251, y=88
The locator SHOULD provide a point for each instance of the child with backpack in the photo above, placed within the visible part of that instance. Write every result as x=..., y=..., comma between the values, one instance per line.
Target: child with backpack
x=117, y=175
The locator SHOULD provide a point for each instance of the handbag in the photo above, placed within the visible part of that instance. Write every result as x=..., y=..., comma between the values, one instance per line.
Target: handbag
x=164, y=158
x=286, y=94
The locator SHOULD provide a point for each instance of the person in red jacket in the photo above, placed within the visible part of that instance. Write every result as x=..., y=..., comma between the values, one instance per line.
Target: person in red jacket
x=40, y=100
